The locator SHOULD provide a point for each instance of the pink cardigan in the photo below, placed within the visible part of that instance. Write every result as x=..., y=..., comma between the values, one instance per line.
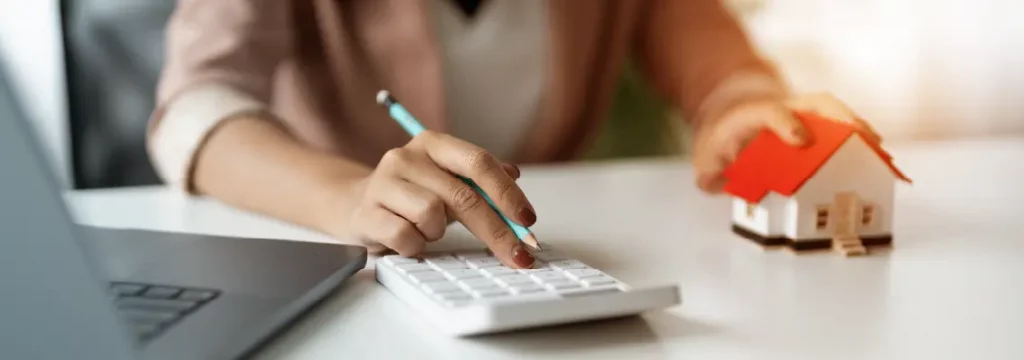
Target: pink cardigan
x=315, y=66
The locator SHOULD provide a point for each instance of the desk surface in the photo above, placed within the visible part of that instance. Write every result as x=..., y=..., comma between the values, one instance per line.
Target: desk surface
x=953, y=286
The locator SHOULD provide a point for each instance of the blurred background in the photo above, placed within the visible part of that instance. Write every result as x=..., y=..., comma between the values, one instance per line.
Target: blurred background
x=917, y=69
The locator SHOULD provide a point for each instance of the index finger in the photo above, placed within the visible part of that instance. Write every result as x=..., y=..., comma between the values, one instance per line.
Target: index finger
x=824, y=105
x=473, y=162
x=832, y=108
x=781, y=121
x=470, y=208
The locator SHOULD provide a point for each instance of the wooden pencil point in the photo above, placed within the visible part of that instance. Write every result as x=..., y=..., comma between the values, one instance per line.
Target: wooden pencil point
x=532, y=241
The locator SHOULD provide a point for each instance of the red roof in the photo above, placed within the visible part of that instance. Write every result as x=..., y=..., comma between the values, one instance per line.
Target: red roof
x=769, y=164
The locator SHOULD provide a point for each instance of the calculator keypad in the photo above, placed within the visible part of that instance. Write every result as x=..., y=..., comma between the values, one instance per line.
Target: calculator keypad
x=460, y=278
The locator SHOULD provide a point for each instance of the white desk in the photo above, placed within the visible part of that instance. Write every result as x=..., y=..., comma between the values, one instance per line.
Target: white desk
x=953, y=287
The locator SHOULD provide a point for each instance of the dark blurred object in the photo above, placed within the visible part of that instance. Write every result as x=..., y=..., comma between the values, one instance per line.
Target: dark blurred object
x=470, y=7
x=114, y=52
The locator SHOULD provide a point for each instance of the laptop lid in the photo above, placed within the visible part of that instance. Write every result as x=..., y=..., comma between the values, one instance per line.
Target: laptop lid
x=54, y=306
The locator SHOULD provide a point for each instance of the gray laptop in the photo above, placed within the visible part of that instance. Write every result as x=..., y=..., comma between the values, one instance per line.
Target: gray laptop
x=77, y=292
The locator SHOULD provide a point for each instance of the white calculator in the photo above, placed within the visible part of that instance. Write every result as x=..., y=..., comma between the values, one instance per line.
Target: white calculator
x=471, y=292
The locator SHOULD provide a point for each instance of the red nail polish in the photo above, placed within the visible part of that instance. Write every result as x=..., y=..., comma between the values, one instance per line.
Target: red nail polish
x=522, y=257
x=527, y=216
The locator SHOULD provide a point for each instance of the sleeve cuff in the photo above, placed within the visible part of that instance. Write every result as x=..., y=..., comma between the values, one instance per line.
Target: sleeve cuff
x=184, y=124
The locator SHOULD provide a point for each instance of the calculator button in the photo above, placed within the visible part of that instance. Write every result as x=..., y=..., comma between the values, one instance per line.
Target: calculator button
x=498, y=271
x=583, y=273
x=509, y=280
x=441, y=257
x=466, y=255
x=481, y=263
x=455, y=299
x=457, y=274
x=537, y=267
x=408, y=268
x=478, y=284
x=568, y=264
x=529, y=288
x=448, y=264
x=547, y=276
x=598, y=280
x=454, y=296
x=562, y=285
x=398, y=260
x=549, y=255
x=491, y=293
x=427, y=276
x=441, y=287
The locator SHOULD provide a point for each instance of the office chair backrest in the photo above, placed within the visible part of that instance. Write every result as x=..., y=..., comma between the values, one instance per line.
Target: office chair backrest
x=114, y=53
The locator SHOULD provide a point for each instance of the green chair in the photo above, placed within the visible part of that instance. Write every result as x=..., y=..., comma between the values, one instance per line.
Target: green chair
x=640, y=124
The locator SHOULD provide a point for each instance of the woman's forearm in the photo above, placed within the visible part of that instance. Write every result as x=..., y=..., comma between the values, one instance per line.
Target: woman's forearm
x=256, y=165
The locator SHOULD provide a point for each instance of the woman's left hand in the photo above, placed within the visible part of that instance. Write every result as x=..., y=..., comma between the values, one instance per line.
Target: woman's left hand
x=720, y=139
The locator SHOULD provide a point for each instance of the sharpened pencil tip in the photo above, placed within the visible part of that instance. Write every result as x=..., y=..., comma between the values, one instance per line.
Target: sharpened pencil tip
x=532, y=241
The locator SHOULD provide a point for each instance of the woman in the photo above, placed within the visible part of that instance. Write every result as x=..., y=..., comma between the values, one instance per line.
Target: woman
x=269, y=105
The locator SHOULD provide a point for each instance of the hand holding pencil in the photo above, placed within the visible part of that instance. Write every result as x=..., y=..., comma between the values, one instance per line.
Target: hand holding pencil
x=417, y=189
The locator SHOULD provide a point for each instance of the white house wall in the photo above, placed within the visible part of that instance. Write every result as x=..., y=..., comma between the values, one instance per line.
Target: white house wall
x=854, y=167
x=758, y=223
x=775, y=205
x=789, y=226
x=769, y=219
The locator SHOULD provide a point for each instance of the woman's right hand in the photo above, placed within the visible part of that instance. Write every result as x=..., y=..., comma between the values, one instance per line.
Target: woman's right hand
x=413, y=194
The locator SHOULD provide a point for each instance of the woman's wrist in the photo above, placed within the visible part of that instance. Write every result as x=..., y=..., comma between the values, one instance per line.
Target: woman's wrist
x=338, y=192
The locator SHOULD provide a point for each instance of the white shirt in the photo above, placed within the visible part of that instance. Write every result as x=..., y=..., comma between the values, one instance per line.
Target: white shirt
x=494, y=70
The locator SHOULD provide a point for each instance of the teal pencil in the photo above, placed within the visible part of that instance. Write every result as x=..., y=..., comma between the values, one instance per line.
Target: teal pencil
x=413, y=127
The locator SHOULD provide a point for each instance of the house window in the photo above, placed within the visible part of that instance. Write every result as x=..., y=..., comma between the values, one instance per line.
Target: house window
x=867, y=215
x=822, y=218
x=751, y=208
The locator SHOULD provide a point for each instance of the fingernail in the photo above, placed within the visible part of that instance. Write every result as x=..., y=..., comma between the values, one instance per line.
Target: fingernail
x=799, y=133
x=527, y=216
x=522, y=257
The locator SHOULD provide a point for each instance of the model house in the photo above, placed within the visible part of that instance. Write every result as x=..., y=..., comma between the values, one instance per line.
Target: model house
x=836, y=192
